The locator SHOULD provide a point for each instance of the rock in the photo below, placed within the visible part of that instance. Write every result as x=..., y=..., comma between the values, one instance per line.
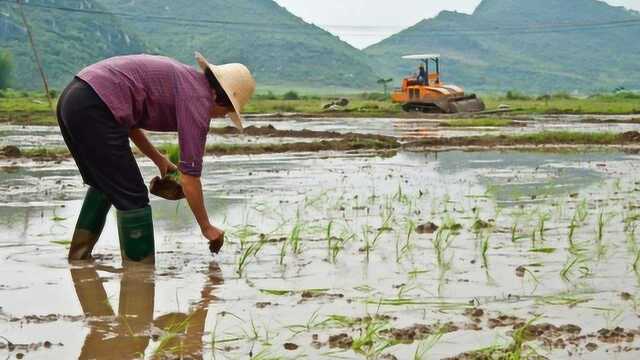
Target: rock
x=11, y=151
x=342, y=102
x=336, y=105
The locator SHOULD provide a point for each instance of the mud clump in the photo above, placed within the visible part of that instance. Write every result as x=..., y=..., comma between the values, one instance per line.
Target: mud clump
x=290, y=346
x=505, y=321
x=615, y=336
x=419, y=332
x=427, y=228
x=216, y=245
x=309, y=294
x=43, y=319
x=167, y=188
x=340, y=341
x=474, y=314
x=631, y=136
x=262, y=305
x=11, y=151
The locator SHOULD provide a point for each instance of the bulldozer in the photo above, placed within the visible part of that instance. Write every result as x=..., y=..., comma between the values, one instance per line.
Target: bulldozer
x=427, y=93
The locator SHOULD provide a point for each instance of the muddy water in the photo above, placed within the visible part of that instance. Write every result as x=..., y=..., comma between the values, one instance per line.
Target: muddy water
x=424, y=128
x=332, y=237
x=49, y=136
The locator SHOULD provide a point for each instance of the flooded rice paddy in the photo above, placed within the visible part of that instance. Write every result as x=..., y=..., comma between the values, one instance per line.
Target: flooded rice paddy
x=403, y=255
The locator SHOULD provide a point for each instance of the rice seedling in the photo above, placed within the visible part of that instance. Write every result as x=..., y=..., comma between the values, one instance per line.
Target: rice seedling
x=401, y=251
x=542, y=219
x=426, y=345
x=246, y=254
x=582, y=211
x=313, y=323
x=66, y=243
x=602, y=221
x=636, y=263
x=441, y=242
x=370, y=343
x=567, y=299
x=514, y=233
x=484, y=250
x=295, y=238
x=56, y=217
x=170, y=333
x=572, y=229
x=564, y=273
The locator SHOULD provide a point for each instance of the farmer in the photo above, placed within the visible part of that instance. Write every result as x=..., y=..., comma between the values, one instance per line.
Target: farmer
x=422, y=75
x=111, y=102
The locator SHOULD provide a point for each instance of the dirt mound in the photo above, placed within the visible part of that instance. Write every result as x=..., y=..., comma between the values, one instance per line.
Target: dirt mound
x=11, y=151
x=270, y=131
x=631, y=136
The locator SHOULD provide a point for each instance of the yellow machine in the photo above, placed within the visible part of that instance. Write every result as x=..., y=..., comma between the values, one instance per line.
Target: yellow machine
x=427, y=93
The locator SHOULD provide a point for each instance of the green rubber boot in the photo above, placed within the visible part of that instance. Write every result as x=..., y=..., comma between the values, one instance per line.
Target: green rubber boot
x=93, y=215
x=135, y=228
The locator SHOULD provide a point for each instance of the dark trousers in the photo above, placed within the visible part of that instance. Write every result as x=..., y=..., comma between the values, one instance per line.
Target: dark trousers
x=100, y=146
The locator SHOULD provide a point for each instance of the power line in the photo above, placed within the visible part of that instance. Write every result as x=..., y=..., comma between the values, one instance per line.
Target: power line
x=539, y=28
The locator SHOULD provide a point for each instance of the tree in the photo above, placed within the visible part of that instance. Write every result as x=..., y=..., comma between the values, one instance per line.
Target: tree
x=6, y=67
x=384, y=83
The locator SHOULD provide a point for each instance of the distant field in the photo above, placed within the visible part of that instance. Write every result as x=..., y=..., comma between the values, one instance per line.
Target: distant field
x=33, y=108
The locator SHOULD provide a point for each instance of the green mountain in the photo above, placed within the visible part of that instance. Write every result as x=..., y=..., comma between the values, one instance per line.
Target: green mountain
x=542, y=45
x=280, y=48
x=66, y=41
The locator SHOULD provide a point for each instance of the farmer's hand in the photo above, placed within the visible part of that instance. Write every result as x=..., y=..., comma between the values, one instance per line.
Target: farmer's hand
x=215, y=237
x=166, y=166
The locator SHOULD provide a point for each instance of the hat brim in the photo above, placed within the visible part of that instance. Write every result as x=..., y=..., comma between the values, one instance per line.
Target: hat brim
x=234, y=115
x=237, y=120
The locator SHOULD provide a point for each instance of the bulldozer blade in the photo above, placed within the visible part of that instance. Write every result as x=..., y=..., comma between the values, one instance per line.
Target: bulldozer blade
x=466, y=104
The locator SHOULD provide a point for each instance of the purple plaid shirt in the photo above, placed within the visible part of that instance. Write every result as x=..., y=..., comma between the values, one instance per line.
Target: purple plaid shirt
x=159, y=94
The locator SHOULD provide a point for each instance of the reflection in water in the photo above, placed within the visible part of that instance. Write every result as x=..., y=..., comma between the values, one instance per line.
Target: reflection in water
x=126, y=335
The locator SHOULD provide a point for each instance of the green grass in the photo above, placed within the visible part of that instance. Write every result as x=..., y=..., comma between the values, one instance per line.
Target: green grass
x=599, y=104
x=315, y=105
x=478, y=122
x=567, y=137
x=33, y=108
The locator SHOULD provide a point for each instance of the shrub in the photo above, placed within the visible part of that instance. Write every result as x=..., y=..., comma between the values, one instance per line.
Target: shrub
x=268, y=96
x=6, y=67
x=514, y=95
x=291, y=95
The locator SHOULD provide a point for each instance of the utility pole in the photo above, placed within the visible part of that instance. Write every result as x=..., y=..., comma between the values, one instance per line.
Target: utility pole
x=35, y=53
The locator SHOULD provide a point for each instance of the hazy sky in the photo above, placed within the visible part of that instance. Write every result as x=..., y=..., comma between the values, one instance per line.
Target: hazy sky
x=388, y=16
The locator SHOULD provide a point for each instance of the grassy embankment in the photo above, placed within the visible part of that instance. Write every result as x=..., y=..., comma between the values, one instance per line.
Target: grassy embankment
x=33, y=109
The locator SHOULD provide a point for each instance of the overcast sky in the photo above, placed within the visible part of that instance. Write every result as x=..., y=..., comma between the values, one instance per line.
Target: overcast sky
x=374, y=20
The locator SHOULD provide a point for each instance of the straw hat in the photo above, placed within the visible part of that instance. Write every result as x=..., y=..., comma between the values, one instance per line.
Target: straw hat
x=237, y=82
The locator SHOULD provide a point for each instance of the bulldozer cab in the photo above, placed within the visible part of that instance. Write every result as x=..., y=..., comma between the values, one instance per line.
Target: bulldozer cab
x=428, y=61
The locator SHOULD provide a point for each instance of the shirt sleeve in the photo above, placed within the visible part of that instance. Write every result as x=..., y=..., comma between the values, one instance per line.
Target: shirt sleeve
x=193, y=126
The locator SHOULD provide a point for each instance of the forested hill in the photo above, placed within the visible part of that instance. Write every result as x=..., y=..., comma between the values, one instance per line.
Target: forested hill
x=542, y=45
x=66, y=40
x=280, y=48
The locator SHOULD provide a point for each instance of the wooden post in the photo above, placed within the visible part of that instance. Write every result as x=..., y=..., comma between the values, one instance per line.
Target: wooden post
x=35, y=53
